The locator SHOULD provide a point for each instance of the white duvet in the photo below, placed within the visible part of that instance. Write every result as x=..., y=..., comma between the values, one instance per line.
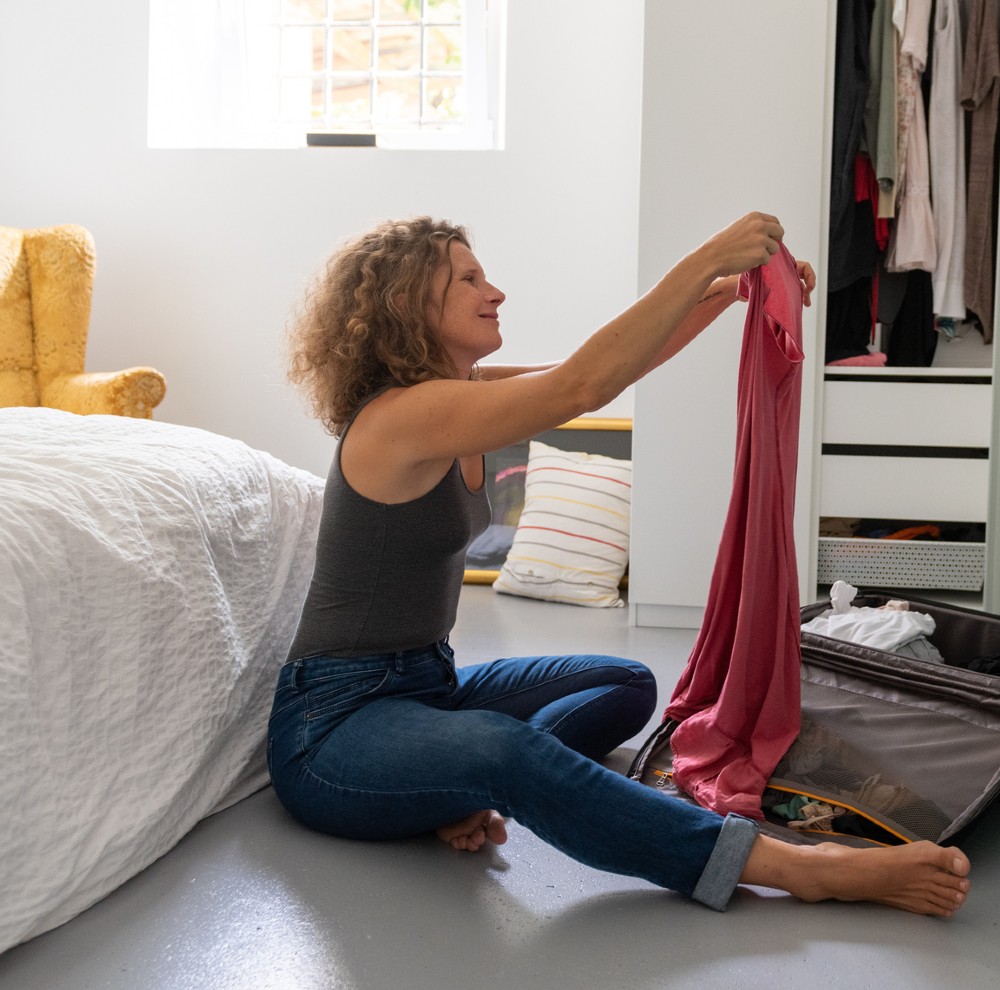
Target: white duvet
x=151, y=577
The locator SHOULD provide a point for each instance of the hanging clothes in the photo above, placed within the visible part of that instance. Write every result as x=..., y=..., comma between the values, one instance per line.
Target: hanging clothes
x=981, y=95
x=880, y=110
x=852, y=241
x=737, y=700
x=866, y=189
x=913, y=243
x=905, y=91
x=946, y=136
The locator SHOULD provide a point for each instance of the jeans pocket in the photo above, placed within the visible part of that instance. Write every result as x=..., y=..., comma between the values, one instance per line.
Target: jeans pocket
x=285, y=696
x=342, y=691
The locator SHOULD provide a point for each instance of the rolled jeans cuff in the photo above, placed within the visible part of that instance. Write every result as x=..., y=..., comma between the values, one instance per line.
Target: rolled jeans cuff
x=722, y=871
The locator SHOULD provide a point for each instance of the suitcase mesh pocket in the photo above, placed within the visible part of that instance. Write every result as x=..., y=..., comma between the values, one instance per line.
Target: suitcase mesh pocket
x=908, y=767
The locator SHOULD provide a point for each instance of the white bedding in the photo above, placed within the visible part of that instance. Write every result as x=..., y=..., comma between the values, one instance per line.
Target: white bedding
x=151, y=577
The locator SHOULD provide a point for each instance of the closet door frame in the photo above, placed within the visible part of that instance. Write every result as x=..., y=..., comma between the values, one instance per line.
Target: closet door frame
x=991, y=575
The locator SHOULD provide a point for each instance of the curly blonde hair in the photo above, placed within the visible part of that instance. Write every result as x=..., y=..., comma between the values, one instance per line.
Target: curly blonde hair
x=363, y=322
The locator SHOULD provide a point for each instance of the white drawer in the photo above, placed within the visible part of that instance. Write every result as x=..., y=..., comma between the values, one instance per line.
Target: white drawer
x=924, y=413
x=946, y=489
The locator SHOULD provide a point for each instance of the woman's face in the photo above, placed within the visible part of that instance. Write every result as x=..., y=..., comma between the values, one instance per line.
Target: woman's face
x=463, y=311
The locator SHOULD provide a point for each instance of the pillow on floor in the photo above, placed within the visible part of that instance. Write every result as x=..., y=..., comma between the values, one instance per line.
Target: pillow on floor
x=571, y=542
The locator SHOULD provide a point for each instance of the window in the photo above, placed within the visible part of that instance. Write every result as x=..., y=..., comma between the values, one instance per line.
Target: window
x=264, y=73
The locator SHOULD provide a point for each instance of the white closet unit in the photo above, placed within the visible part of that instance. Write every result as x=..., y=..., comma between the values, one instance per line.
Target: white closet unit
x=737, y=115
x=905, y=448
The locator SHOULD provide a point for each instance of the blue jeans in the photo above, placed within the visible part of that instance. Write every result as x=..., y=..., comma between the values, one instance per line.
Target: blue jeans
x=397, y=745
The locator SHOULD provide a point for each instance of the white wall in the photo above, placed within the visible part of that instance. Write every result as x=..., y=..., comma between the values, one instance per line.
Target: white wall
x=202, y=253
x=734, y=120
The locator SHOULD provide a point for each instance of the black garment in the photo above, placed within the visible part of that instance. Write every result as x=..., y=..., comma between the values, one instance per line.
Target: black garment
x=849, y=320
x=985, y=665
x=852, y=232
x=863, y=828
x=912, y=337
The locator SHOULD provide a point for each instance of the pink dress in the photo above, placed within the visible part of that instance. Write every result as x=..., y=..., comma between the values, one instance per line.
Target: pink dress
x=737, y=700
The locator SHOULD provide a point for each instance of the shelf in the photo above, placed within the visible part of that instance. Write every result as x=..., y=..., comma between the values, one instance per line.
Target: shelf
x=840, y=372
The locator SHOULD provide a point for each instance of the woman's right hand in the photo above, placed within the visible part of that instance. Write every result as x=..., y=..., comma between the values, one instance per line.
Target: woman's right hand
x=745, y=244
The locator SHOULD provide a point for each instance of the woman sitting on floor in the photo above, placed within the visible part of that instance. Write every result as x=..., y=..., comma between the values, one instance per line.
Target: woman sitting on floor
x=375, y=733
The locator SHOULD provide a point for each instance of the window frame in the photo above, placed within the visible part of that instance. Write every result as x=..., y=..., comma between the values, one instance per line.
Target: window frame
x=234, y=107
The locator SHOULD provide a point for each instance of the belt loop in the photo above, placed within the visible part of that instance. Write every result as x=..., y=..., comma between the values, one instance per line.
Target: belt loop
x=399, y=662
x=296, y=670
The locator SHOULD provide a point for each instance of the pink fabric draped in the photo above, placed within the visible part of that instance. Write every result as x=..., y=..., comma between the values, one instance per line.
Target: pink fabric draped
x=737, y=700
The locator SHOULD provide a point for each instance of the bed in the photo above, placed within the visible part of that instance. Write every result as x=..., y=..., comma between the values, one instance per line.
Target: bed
x=151, y=576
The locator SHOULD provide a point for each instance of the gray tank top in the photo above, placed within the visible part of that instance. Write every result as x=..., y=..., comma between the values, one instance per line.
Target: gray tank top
x=387, y=577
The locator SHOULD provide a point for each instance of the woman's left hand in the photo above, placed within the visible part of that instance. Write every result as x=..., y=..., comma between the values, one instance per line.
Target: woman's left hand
x=808, y=278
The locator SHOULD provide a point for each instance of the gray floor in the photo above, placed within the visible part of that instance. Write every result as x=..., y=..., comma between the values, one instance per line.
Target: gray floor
x=965, y=350
x=249, y=900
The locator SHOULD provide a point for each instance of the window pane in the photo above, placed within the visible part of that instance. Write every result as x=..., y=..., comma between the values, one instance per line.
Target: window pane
x=268, y=96
x=303, y=10
x=444, y=99
x=269, y=40
x=397, y=99
x=444, y=48
x=296, y=96
x=399, y=10
x=317, y=100
x=352, y=50
x=444, y=10
x=399, y=49
x=351, y=10
x=302, y=49
x=351, y=101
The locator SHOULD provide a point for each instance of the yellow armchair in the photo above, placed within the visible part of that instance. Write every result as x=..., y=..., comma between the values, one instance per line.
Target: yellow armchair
x=46, y=283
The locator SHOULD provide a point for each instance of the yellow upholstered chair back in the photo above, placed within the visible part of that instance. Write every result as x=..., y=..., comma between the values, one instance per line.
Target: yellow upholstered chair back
x=46, y=283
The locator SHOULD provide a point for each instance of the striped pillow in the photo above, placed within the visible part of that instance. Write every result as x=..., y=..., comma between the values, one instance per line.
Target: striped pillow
x=571, y=542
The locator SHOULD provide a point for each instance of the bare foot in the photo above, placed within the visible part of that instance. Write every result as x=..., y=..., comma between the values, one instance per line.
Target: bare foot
x=470, y=833
x=920, y=877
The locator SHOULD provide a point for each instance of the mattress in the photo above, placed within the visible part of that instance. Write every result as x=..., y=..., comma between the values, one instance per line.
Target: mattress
x=151, y=577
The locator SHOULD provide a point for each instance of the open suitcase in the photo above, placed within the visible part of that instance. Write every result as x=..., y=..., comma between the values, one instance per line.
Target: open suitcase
x=892, y=749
